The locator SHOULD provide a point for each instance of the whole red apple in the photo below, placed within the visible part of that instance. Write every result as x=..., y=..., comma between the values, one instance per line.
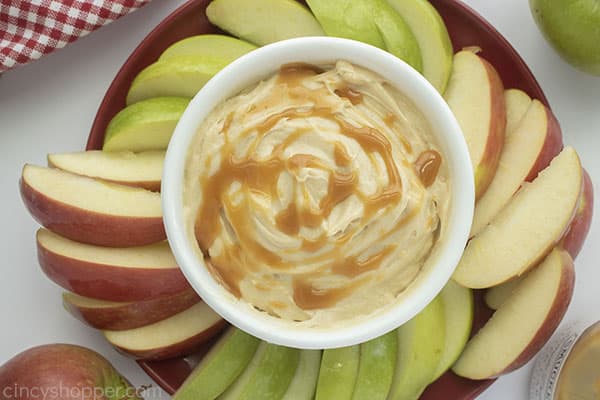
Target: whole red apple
x=62, y=372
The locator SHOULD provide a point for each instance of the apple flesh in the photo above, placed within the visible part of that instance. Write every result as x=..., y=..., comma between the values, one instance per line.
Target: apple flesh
x=523, y=323
x=376, y=367
x=527, y=150
x=527, y=229
x=220, y=46
x=220, y=367
x=178, y=335
x=111, y=315
x=475, y=95
x=60, y=372
x=143, y=170
x=146, y=125
x=268, y=375
x=495, y=296
x=420, y=345
x=113, y=274
x=431, y=35
x=91, y=211
x=337, y=376
x=181, y=76
x=517, y=103
x=580, y=226
x=263, y=21
x=304, y=383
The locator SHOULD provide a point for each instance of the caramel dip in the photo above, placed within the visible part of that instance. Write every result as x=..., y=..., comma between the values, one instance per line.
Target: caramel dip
x=316, y=196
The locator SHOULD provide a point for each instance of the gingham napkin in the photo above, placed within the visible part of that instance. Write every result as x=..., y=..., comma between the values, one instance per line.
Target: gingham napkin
x=31, y=28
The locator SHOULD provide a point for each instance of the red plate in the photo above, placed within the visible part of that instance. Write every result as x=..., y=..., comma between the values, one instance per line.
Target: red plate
x=466, y=28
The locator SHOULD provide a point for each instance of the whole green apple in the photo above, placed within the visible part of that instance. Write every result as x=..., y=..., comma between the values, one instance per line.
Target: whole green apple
x=573, y=29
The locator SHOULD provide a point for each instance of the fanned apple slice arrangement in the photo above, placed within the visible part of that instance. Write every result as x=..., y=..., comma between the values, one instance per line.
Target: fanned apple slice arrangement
x=103, y=239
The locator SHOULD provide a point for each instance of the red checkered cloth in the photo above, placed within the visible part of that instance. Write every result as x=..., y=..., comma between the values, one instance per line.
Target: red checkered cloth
x=31, y=28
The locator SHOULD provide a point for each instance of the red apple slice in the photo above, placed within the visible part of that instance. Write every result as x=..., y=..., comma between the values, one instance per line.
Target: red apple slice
x=117, y=316
x=580, y=226
x=475, y=95
x=523, y=323
x=132, y=169
x=526, y=229
x=92, y=211
x=178, y=335
x=517, y=102
x=114, y=274
x=528, y=149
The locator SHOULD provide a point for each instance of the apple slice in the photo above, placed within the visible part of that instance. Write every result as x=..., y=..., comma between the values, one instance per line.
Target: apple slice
x=459, y=309
x=475, y=95
x=523, y=323
x=420, y=346
x=526, y=229
x=304, y=383
x=263, y=21
x=102, y=314
x=376, y=367
x=528, y=149
x=268, y=375
x=92, y=211
x=220, y=46
x=495, y=296
x=432, y=38
x=181, y=76
x=132, y=169
x=220, y=367
x=517, y=103
x=147, y=125
x=114, y=274
x=337, y=376
x=178, y=335
x=580, y=226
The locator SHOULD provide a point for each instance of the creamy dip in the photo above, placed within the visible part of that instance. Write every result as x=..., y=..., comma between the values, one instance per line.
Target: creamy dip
x=317, y=195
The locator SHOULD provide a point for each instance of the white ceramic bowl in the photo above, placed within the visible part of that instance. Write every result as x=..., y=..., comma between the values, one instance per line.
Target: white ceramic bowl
x=260, y=64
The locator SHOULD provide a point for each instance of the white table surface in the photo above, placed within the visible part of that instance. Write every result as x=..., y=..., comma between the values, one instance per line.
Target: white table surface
x=49, y=106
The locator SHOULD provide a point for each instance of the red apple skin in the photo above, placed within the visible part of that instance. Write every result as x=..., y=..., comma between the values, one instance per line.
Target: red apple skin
x=580, y=226
x=131, y=315
x=486, y=170
x=90, y=227
x=107, y=282
x=183, y=348
x=553, y=319
x=62, y=372
x=553, y=145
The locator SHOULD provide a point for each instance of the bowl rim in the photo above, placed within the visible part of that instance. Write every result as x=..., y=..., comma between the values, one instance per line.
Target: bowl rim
x=253, y=67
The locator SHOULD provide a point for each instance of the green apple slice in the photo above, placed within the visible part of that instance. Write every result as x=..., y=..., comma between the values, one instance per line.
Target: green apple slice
x=268, y=375
x=420, y=345
x=337, y=376
x=376, y=367
x=219, y=367
x=430, y=33
x=219, y=46
x=459, y=308
x=147, y=125
x=304, y=383
x=263, y=21
x=181, y=76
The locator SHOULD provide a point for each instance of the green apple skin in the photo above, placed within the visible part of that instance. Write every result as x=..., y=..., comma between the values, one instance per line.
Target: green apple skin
x=376, y=367
x=55, y=369
x=220, y=367
x=459, y=308
x=181, y=76
x=420, y=345
x=304, y=383
x=573, y=29
x=263, y=21
x=432, y=37
x=210, y=45
x=268, y=375
x=147, y=125
x=337, y=376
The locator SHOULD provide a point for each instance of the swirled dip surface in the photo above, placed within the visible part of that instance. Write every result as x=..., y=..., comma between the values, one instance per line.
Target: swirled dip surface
x=317, y=195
